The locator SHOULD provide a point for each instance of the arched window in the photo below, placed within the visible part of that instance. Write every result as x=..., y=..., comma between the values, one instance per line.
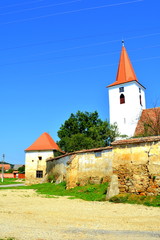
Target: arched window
x=140, y=100
x=122, y=99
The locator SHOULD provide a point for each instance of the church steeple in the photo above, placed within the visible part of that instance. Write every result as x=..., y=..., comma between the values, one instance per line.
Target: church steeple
x=126, y=97
x=125, y=71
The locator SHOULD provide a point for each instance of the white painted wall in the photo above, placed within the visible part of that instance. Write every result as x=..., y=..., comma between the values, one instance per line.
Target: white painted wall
x=33, y=164
x=126, y=115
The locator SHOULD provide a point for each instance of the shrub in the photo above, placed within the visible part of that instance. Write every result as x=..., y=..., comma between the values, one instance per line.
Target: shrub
x=51, y=178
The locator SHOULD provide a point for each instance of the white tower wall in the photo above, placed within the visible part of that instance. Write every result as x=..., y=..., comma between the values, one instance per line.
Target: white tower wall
x=126, y=115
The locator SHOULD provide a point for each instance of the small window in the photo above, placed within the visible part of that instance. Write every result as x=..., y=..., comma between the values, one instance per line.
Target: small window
x=122, y=99
x=121, y=89
x=98, y=154
x=39, y=174
x=140, y=100
x=39, y=158
x=139, y=90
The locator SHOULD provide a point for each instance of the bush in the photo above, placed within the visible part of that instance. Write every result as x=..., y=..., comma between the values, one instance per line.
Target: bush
x=136, y=199
x=121, y=198
x=51, y=178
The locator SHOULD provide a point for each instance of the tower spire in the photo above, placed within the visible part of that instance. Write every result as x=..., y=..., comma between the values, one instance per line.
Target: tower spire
x=125, y=71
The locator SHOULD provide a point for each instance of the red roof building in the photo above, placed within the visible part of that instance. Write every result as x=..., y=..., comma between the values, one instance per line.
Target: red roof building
x=36, y=156
x=5, y=166
x=44, y=142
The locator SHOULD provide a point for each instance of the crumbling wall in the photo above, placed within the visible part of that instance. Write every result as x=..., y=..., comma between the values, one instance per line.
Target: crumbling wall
x=136, y=163
x=81, y=168
x=57, y=167
x=90, y=167
x=138, y=167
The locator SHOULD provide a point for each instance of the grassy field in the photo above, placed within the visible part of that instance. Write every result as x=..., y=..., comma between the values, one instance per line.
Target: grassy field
x=137, y=199
x=7, y=239
x=7, y=181
x=91, y=192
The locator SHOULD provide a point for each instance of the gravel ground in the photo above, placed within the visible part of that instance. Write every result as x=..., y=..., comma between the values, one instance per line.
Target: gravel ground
x=26, y=215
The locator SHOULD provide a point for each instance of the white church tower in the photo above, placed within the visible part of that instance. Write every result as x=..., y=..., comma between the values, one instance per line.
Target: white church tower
x=126, y=97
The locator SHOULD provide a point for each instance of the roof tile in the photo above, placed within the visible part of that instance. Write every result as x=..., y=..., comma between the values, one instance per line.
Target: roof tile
x=136, y=140
x=44, y=142
x=125, y=70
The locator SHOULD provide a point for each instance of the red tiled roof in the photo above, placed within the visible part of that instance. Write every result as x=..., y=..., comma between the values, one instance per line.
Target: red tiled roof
x=44, y=142
x=125, y=70
x=149, y=122
x=136, y=140
x=6, y=166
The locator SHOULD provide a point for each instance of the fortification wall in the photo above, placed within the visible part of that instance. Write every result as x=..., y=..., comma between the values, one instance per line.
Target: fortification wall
x=58, y=167
x=137, y=165
x=136, y=162
x=90, y=167
x=80, y=168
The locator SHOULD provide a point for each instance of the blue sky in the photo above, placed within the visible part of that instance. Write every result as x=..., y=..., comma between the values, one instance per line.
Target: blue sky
x=57, y=57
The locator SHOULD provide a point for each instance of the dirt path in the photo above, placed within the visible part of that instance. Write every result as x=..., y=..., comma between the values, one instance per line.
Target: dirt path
x=26, y=215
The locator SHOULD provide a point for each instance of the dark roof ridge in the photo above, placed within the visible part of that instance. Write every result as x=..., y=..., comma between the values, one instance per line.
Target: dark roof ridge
x=81, y=151
x=136, y=140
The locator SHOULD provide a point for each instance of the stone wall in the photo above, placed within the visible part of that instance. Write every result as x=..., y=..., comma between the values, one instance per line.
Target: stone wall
x=136, y=162
x=82, y=167
x=90, y=167
x=58, y=167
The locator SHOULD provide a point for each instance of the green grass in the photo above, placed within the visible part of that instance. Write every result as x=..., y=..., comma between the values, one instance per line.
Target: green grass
x=95, y=192
x=7, y=181
x=7, y=239
x=91, y=192
x=136, y=199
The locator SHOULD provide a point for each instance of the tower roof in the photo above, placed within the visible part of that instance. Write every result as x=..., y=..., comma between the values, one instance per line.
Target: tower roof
x=44, y=142
x=125, y=70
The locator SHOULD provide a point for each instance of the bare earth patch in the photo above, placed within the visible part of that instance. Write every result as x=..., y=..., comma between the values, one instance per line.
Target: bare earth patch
x=26, y=215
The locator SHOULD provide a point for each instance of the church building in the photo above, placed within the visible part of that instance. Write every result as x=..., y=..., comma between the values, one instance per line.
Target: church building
x=127, y=108
x=126, y=97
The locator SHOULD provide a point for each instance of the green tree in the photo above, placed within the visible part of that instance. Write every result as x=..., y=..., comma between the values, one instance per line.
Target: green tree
x=21, y=169
x=85, y=130
x=10, y=170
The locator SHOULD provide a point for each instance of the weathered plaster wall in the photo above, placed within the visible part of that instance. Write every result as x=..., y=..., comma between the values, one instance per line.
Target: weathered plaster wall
x=33, y=164
x=93, y=167
x=136, y=163
x=137, y=166
x=57, y=167
x=82, y=167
